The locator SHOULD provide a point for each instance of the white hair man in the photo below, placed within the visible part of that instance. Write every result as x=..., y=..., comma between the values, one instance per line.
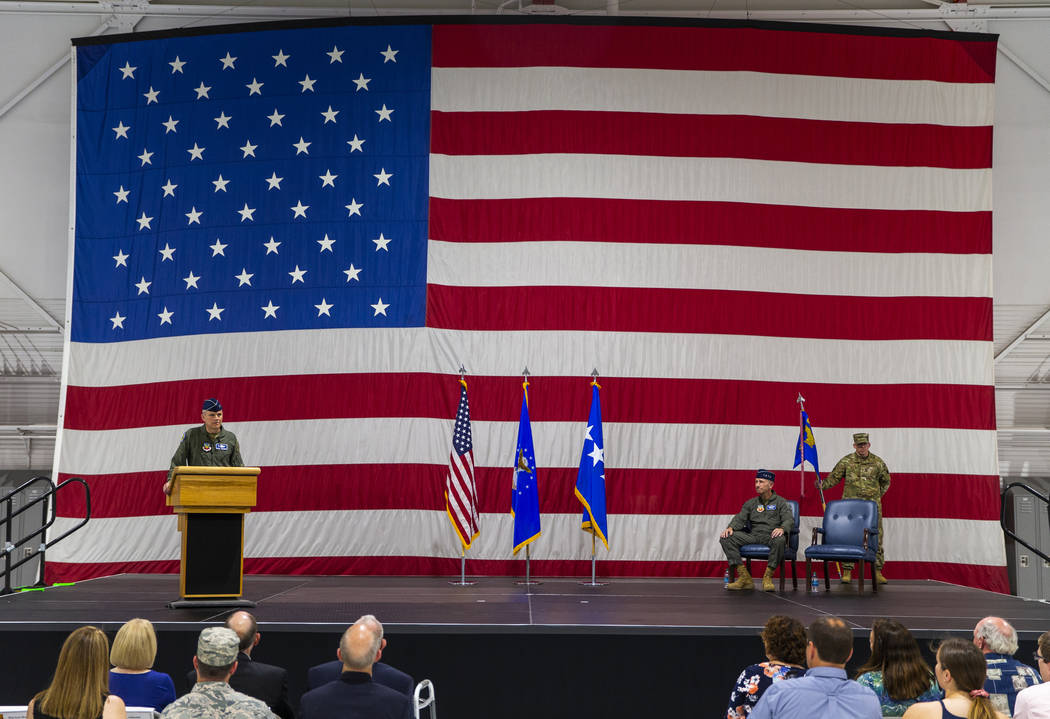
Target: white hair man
x=997, y=639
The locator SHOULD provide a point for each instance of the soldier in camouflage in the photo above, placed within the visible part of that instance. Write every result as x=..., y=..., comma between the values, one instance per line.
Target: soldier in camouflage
x=212, y=696
x=771, y=520
x=209, y=445
x=866, y=477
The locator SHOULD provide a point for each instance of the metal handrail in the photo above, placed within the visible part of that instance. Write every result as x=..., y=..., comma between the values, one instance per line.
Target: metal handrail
x=1002, y=514
x=10, y=546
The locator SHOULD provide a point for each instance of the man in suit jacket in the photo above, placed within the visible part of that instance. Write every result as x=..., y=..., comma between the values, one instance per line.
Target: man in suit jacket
x=355, y=693
x=262, y=681
x=382, y=673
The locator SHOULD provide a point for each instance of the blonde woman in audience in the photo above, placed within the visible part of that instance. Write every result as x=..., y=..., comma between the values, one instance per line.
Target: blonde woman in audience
x=79, y=689
x=132, y=677
x=1034, y=702
x=960, y=672
x=896, y=671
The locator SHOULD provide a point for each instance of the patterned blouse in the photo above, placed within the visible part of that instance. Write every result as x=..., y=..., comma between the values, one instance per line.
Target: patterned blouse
x=893, y=707
x=754, y=680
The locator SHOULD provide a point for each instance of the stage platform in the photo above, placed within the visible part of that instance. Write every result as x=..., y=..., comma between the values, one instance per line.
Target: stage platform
x=500, y=648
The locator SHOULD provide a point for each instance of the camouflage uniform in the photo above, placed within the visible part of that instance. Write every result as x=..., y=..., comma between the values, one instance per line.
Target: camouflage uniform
x=764, y=517
x=200, y=449
x=217, y=647
x=866, y=478
x=218, y=700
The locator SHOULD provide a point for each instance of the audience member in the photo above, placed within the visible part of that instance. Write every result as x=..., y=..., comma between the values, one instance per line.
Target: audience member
x=381, y=673
x=997, y=640
x=212, y=697
x=79, y=689
x=266, y=682
x=1034, y=702
x=356, y=694
x=132, y=677
x=784, y=641
x=960, y=672
x=896, y=671
x=825, y=690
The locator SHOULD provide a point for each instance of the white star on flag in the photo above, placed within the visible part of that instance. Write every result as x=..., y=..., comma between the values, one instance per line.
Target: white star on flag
x=143, y=286
x=380, y=308
x=191, y=280
x=118, y=321
x=383, y=178
x=122, y=130
x=322, y=309
x=215, y=312
x=122, y=259
x=299, y=209
x=122, y=195
x=165, y=316
x=128, y=71
x=297, y=275
x=389, y=55
x=169, y=189
x=352, y=273
x=382, y=242
x=227, y=62
x=168, y=253
x=326, y=244
x=280, y=59
x=270, y=309
x=335, y=54
x=245, y=278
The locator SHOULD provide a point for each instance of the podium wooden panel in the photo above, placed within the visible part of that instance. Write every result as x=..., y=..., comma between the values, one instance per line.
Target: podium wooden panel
x=211, y=503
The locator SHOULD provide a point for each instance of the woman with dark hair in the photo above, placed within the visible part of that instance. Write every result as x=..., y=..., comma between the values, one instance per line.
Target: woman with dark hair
x=896, y=671
x=80, y=687
x=784, y=640
x=960, y=672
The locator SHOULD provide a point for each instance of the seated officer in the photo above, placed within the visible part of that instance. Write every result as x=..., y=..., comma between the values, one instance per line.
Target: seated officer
x=771, y=521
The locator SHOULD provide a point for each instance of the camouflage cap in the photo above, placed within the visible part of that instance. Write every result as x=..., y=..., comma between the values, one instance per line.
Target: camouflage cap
x=217, y=646
x=860, y=438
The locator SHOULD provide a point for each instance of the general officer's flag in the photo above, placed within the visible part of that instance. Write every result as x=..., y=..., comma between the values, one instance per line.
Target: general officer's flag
x=590, y=481
x=524, y=495
x=806, y=447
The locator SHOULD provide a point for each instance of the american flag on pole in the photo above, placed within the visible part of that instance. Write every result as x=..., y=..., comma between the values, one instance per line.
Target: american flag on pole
x=461, y=494
x=317, y=224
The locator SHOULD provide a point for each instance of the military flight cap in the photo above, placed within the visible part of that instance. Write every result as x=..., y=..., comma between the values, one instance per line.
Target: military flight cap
x=211, y=405
x=217, y=646
x=860, y=438
x=765, y=474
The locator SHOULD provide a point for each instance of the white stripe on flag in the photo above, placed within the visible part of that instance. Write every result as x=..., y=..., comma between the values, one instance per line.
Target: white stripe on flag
x=754, y=269
x=564, y=353
x=381, y=440
x=711, y=93
x=710, y=179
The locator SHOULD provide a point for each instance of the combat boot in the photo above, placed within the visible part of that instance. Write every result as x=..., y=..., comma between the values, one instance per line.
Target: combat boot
x=879, y=578
x=767, y=581
x=743, y=579
x=847, y=576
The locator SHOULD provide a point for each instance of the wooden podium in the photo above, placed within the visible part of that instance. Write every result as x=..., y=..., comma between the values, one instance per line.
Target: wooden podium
x=211, y=503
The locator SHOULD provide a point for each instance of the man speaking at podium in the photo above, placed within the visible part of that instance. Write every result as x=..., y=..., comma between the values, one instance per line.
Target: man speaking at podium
x=206, y=446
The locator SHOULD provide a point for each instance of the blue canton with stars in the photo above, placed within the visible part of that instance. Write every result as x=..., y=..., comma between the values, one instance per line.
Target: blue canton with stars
x=253, y=181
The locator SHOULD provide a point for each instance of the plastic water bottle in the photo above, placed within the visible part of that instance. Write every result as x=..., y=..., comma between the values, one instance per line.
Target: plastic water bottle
x=725, y=579
x=816, y=583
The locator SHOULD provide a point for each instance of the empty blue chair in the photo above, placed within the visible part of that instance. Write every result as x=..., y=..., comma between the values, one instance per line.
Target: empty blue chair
x=850, y=534
x=761, y=551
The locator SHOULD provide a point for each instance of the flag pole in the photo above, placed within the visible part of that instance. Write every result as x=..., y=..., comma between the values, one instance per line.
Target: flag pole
x=462, y=553
x=594, y=560
x=801, y=401
x=525, y=374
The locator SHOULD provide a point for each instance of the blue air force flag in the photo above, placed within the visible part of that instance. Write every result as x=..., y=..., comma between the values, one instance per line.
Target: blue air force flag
x=524, y=495
x=590, y=481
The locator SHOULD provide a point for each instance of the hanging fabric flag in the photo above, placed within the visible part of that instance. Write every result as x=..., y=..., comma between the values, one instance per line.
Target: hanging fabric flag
x=524, y=496
x=806, y=447
x=590, y=481
x=461, y=495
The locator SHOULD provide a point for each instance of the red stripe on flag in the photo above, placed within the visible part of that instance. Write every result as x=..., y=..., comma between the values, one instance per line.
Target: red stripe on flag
x=629, y=491
x=771, y=314
x=735, y=224
x=760, y=138
x=987, y=577
x=839, y=54
x=554, y=399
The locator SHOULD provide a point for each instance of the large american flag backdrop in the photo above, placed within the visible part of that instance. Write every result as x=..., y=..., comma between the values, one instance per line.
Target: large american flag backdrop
x=318, y=224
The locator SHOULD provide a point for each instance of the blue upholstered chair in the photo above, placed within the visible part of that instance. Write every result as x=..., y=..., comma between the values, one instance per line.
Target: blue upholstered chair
x=850, y=534
x=761, y=551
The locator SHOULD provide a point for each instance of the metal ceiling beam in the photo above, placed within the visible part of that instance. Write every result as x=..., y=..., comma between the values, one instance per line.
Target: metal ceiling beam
x=44, y=314
x=954, y=11
x=1020, y=338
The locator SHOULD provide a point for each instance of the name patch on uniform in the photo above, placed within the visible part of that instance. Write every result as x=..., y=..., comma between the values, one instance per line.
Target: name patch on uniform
x=221, y=446
x=206, y=447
